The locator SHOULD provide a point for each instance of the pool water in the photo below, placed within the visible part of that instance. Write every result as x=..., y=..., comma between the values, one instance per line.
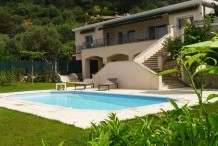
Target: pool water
x=90, y=100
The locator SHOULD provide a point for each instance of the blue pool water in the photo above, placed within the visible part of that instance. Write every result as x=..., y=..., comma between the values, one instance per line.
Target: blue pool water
x=89, y=100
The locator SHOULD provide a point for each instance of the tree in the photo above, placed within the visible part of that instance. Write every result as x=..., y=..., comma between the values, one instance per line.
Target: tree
x=67, y=52
x=14, y=46
x=46, y=40
x=173, y=45
x=7, y=26
x=4, y=39
x=194, y=34
x=66, y=34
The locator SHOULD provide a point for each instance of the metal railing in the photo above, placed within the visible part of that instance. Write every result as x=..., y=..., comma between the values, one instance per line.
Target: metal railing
x=125, y=38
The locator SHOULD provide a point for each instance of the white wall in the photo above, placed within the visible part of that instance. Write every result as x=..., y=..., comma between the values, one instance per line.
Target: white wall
x=130, y=75
x=130, y=50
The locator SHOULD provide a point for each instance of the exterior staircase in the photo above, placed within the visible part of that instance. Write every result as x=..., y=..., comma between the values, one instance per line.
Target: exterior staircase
x=168, y=81
x=152, y=61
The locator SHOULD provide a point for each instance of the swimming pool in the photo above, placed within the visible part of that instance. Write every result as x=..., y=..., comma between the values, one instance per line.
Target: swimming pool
x=90, y=100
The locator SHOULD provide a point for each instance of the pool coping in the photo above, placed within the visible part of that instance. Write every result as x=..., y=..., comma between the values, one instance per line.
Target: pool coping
x=83, y=118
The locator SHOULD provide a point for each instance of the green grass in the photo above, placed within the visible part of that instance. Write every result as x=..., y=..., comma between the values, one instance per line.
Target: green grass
x=16, y=87
x=21, y=129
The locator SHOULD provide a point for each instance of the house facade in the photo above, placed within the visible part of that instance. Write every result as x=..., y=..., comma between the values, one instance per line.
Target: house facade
x=130, y=48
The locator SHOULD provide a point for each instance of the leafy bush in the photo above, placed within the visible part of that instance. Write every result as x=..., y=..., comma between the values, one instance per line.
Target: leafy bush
x=172, y=45
x=43, y=77
x=15, y=74
x=3, y=78
x=11, y=76
x=177, y=127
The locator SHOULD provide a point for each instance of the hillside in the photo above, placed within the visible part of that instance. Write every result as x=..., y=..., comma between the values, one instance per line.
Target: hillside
x=17, y=17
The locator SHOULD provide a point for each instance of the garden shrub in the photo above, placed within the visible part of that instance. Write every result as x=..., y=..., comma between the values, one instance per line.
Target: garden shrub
x=3, y=78
x=45, y=76
x=15, y=74
x=11, y=76
x=172, y=45
x=175, y=128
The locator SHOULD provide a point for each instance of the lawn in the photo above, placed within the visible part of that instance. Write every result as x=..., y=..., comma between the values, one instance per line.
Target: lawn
x=21, y=129
x=29, y=86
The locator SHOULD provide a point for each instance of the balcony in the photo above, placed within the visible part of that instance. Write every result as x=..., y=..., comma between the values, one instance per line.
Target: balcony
x=124, y=39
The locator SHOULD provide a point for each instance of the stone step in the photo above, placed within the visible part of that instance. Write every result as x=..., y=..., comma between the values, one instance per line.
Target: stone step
x=172, y=87
x=153, y=67
x=151, y=60
x=150, y=63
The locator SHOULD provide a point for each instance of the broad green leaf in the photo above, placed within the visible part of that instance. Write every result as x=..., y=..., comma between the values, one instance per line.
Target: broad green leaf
x=61, y=144
x=187, y=51
x=174, y=104
x=166, y=72
x=43, y=143
x=195, y=58
x=211, y=96
x=214, y=118
x=202, y=68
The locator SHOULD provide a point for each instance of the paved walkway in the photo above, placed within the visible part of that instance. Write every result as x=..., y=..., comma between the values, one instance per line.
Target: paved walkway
x=83, y=118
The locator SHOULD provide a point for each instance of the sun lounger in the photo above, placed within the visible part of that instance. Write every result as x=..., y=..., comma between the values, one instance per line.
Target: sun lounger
x=109, y=82
x=86, y=82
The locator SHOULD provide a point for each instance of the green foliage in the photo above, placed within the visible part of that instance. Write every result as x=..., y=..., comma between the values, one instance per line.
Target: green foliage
x=177, y=127
x=166, y=72
x=7, y=25
x=13, y=47
x=172, y=45
x=3, y=78
x=196, y=58
x=4, y=39
x=194, y=34
x=67, y=51
x=43, y=77
x=44, y=144
x=66, y=34
x=11, y=76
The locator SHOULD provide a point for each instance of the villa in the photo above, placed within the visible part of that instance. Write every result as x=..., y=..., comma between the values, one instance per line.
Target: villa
x=130, y=48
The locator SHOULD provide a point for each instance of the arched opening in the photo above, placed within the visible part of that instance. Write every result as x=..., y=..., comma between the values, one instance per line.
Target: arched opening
x=93, y=65
x=118, y=57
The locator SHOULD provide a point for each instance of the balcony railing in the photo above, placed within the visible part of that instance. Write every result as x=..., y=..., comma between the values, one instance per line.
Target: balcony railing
x=125, y=38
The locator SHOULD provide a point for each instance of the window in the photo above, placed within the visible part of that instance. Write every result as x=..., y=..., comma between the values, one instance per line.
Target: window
x=183, y=20
x=156, y=32
x=107, y=39
x=120, y=38
x=88, y=41
x=131, y=36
